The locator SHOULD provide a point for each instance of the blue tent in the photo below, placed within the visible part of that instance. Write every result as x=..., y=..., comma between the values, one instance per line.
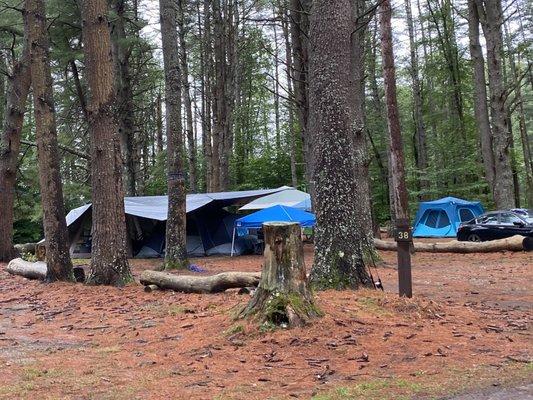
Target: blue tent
x=276, y=213
x=441, y=218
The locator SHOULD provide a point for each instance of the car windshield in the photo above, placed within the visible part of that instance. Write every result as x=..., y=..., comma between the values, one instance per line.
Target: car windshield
x=489, y=219
x=510, y=219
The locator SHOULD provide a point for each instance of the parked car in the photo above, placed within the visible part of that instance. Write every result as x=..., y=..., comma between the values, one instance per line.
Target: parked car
x=495, y=225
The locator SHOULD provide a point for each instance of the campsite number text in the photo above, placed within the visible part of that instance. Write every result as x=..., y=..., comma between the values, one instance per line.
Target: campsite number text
x=403, y=235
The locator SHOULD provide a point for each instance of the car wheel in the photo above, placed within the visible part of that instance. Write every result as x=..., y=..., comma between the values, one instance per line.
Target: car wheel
x=474, y=237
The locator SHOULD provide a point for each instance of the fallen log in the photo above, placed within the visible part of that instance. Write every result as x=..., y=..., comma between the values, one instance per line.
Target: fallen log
x=26, y=248
x=200, y=284
x=37, y=270
x=514, y=243
x=30, y=270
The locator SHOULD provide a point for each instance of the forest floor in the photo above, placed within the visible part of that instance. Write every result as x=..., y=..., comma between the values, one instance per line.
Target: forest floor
x=466, y=330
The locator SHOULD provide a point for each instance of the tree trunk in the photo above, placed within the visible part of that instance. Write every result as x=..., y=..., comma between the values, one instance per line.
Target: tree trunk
x=176, y=249
x=277, y=118
x=201, y=284
x=514, y=243
x=55, y=226
x=3, y=89
x=159, y=124
x=283, y=296
x=522, y=127
x=109, y=263
x=420, y=129
x=125, y=107
x=503, y=175
x=79, y=89
x=207, y=92
x=362, y=159
x=333, y=100
x=290, y=93
x=481, y=111
x=299, y=29
x=218, y=96
x=401, y=205
x=187, y=100
x=16, y=95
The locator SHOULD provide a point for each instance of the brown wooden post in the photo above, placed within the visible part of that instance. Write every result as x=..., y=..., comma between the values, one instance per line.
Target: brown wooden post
x=404, y=238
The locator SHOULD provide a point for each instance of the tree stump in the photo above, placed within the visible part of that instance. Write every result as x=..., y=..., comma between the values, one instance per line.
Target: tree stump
x=283, y=297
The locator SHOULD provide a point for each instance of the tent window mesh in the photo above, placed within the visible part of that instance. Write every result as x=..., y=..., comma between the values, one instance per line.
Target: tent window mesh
x=465, y=214
x=443, y=220
x=437, y=219
x=432, y=218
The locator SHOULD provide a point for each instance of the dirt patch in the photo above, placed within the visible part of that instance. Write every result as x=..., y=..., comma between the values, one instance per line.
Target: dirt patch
x=467, y=327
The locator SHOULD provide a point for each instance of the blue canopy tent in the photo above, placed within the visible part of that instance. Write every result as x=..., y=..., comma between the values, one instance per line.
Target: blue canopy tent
x=441, y=218
x=276, y=213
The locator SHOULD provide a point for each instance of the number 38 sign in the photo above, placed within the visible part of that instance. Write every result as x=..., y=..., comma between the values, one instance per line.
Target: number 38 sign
x=403, y=234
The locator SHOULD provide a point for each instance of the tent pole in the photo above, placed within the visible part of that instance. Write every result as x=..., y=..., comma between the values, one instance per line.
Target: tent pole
x=232, y=241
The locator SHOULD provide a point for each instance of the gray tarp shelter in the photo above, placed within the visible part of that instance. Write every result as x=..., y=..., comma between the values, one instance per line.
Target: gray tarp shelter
x=289, y=198
x=209, y=225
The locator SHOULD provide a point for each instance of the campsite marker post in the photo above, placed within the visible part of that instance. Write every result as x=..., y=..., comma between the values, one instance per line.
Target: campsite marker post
x=404, y=238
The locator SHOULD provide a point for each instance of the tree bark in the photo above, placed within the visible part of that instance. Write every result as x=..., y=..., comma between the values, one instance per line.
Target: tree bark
x=514, y=243
x=283, y=295
x=481, y=111
x=193, y=174
x=3, y=89
x=401, y=205
x=201, y=284
x=503, y=175
x=121, y=52
x=109, y=263
x=339, y=261
x=176, y=249
x=55, y=226
x=18, y=86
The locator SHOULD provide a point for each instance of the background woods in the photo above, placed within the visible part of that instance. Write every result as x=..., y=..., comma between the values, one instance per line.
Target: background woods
x=464, y=88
